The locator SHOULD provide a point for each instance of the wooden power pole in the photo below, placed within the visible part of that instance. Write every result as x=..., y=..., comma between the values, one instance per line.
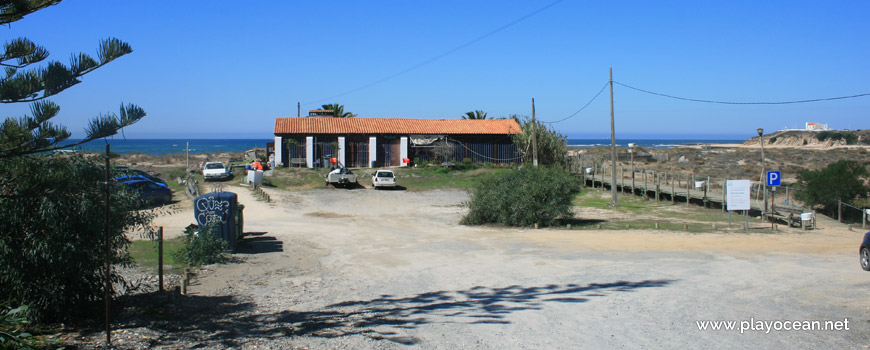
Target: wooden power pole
x=612, y=143
x=534, y=136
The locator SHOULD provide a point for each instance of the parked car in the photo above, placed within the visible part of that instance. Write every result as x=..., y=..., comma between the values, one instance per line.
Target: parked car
x=149, y=191
x=383, y=178
x=124, y=171
x=864, y=252
x=341, y=177
x=215, y=171
x=125, y=178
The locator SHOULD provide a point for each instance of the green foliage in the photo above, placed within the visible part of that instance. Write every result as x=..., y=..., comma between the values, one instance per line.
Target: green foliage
x=52, y=234
x=836, y=136
x=14, y=333
x=466, y=161
x=338, y=111
x=840, y=181
x=35, y=133
x=523, y=197
x=52, y=208
x=552, y=146
x=477, y=114
x=203, y=247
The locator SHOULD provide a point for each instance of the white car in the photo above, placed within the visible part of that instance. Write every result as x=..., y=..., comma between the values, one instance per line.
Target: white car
x=383, y=178
x=215, y=171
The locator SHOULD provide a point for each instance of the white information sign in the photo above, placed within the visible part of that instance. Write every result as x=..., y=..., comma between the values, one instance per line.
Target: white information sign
x=699, y=184
x=738, y=194
x=806, y=216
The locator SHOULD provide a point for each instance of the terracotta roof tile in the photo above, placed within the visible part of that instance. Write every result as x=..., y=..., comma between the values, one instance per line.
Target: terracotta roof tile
x=395, y=126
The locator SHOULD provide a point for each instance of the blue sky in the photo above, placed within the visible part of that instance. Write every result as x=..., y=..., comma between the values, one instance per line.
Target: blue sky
x=220, y=69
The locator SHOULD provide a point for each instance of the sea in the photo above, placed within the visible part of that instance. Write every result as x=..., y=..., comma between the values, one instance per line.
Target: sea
x=198, y=146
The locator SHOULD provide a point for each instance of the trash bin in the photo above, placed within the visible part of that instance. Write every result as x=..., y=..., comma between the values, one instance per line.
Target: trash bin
x=240, y=221
x=220, y=209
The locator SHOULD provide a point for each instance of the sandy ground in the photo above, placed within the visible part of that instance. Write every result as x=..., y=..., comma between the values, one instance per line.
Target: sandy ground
x=350, y=269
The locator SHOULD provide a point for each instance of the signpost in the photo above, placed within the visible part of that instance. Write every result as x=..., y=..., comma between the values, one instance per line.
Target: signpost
x=738, y=197
x=774, y=178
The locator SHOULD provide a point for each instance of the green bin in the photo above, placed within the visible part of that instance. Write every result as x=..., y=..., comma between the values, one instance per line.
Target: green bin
x=240, y=221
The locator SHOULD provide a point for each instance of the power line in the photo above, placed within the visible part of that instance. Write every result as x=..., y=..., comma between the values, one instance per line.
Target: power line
x=742, y=103
x=581, y=109
x=442, y=55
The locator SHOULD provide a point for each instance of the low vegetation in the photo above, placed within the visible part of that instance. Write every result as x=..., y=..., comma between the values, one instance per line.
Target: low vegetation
x=638, y=213
x=525, y=197
x=144, y=253
x=201, y=247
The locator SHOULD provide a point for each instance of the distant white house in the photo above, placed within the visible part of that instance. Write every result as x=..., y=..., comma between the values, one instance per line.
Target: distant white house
x=816, y=126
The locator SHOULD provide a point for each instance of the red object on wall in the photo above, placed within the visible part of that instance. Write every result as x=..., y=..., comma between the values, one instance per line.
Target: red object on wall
x=406, y=160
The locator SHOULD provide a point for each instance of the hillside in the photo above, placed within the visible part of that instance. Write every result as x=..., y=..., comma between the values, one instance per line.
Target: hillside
x=798, y=138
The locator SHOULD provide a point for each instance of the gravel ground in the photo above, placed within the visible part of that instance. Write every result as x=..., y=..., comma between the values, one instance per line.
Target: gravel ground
x=351, y=269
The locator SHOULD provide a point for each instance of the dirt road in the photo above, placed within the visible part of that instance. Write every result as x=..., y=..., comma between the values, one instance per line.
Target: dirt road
x=352, y=269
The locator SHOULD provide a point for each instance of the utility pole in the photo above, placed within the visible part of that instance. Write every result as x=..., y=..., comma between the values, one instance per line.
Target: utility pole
x=534, y=136
x=612, y=143
x=108, y=263
x=763, y=179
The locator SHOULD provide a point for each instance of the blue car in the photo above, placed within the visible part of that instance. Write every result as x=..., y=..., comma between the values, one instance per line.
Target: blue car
x=149, y=191
x=126, y=178
x=125, y=172
x=864, y=252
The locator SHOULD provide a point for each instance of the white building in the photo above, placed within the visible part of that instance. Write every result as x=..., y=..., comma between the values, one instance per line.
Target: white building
x=816, y=126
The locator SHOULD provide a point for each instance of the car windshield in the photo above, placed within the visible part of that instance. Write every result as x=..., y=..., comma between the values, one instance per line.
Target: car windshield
x=385, y=174
x=214, y=166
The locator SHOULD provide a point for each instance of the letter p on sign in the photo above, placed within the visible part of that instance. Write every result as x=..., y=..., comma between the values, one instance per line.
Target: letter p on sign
x=773, y=178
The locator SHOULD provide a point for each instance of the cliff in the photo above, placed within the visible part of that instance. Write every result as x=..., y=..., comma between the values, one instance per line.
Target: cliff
x=799, y=138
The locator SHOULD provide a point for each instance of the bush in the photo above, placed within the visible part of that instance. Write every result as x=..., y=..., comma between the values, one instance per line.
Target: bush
x=523, y=198
x=203, y=247
x=840, y=181
x=52, y=235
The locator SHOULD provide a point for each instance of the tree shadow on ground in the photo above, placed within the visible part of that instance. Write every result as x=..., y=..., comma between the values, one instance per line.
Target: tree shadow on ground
x=258, y=243
x=231, y=321
x=575, y=222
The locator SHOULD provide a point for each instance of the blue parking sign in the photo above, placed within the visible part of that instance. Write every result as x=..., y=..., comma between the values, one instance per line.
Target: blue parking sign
x=773, y=178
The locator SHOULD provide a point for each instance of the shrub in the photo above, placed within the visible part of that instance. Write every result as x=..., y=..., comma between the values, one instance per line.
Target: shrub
x=203, y=247
x=523, y=198
x=840, y=181
x=52, y=235
x=552, y=145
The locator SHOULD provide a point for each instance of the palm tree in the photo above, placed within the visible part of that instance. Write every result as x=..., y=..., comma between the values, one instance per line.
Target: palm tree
x=478, y=114
x=338, y=110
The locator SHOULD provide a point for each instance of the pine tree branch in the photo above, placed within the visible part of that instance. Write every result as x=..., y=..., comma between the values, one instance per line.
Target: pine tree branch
x=14, y=10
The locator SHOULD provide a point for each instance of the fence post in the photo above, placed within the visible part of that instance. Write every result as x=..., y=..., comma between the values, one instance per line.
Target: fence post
x=160, y=257
x=706, y=189
x=688, y=190
x=673, y=189
x=724, y=193
x=840, y=211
